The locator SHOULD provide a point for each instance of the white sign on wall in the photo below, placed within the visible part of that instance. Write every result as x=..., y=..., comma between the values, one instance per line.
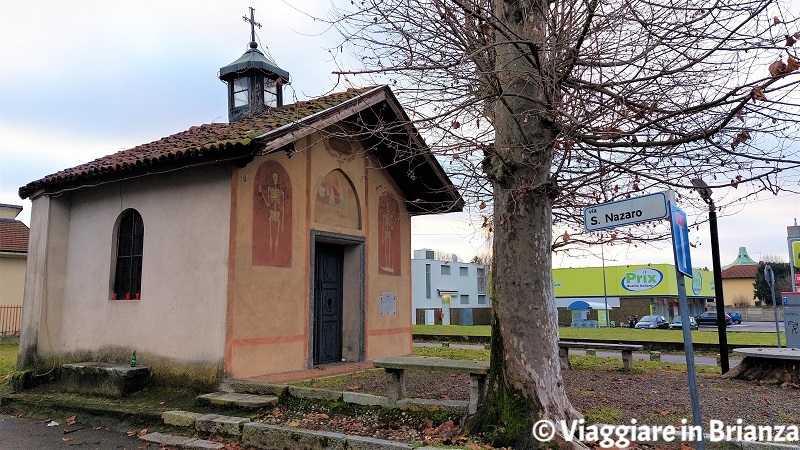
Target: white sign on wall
x=626, y=212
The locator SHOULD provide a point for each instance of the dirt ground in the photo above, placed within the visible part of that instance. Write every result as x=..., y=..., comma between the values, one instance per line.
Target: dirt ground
x=613, y=397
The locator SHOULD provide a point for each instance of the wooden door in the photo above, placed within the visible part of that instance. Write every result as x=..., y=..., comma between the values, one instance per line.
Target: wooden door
x=328, y=304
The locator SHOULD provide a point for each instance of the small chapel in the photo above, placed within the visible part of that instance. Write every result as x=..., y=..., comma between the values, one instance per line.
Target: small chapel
x=279, y=241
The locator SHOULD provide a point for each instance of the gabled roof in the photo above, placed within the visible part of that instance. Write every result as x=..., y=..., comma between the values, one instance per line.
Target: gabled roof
x=13, y=236
x=395, y=142
x=740, y=271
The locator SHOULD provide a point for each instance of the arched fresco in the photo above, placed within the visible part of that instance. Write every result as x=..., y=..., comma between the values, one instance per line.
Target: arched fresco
x=336, y=202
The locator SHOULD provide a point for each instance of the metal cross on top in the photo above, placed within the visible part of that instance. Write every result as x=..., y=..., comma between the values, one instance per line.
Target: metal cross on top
x=253, y=25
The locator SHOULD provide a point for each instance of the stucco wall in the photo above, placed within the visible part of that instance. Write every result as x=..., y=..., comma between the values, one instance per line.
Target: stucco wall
x=737, y=290
x=269, y=325
x=386, y=335
x=180, y=318
x=12, y=278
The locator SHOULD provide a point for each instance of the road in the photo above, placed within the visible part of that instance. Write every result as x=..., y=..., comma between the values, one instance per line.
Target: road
x=28, y=434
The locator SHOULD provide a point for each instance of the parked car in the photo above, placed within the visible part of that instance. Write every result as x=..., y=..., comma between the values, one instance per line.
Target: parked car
x=651, y=322
x=677, y=323
x=710, y=318
x=735, y=317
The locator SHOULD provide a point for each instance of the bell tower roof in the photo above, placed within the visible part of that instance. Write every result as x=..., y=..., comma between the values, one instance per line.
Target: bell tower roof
x=255, y=82
x=253, y=59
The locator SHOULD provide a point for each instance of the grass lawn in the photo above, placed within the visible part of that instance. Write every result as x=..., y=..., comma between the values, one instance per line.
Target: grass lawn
x=578, y=362
x=610, y=334
x=8, y=363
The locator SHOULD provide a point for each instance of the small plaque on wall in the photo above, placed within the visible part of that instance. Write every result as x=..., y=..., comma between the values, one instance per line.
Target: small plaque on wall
x=388, y=305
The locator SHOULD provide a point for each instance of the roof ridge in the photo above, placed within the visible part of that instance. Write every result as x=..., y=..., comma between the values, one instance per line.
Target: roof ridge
x=215, y=141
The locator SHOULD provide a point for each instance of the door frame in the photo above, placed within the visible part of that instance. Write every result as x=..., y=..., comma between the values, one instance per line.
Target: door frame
x=354, y=254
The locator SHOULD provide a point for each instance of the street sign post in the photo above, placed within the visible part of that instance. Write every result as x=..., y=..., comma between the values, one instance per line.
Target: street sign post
x=680, y=240
x=683, y=266
x=626, y=212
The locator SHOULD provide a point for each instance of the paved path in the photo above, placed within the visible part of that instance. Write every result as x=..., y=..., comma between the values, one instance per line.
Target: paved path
x=704, y=360
x=25, y=434
x=749, y=327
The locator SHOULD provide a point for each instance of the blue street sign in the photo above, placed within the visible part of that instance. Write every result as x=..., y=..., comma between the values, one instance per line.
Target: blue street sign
x=680, y=240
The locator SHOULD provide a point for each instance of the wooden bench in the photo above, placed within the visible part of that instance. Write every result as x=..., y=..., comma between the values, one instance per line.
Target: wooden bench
x=396, y=366
x=626, y=349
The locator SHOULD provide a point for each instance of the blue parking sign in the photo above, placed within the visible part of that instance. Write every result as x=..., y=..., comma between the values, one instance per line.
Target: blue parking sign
x=680, y=240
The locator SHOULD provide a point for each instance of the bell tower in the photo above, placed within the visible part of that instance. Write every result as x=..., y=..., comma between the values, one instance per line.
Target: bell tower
x=255, y=82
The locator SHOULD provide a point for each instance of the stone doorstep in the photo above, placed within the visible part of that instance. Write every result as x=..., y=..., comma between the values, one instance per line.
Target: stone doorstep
x=233, y=399
x=180, y=441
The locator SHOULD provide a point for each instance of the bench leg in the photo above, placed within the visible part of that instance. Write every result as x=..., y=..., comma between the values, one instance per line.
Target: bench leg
x=395, y=385
x=477, y=391
x=563, y=353
x=627, y=359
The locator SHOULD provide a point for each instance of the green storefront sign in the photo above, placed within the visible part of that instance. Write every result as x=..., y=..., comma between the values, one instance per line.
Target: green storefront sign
x=630, y=281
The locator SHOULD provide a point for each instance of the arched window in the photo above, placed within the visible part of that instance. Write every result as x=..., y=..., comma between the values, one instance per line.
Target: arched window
x=130, y=243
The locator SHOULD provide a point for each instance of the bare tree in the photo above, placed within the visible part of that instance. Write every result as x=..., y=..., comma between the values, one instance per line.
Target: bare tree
x=540, y=108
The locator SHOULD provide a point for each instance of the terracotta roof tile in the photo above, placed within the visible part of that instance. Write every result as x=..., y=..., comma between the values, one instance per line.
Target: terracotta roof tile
x=215, y=140
x=741, y=271
x=13, y=236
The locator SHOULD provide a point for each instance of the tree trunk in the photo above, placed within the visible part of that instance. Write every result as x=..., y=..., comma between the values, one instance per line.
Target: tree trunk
x=525, y=378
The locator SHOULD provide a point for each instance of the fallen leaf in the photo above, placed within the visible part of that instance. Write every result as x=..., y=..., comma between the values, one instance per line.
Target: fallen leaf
x=71, y=421
x=142, y=432
x=161, y=403
x=293, y=423
x=131, y=433
x=66, y=439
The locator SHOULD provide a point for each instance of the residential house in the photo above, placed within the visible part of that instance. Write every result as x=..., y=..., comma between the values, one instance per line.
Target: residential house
x=449, y=292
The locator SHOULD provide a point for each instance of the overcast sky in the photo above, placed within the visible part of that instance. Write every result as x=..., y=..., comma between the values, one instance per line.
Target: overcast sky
x=83, y=79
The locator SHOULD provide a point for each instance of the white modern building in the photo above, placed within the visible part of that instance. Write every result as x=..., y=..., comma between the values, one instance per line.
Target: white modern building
x=449, y=292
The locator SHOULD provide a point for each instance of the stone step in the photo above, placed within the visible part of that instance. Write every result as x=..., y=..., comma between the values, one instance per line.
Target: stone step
x=252, y=387
x=237, y=400
x=206, y=423
x=168, y=440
